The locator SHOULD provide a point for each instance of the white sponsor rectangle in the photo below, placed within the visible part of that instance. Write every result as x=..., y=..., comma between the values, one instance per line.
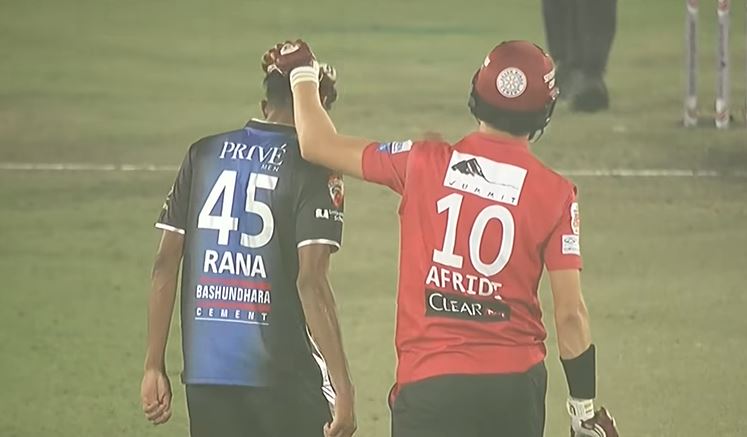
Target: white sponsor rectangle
x=571, y=245
x=485, y=178
x=401, y=146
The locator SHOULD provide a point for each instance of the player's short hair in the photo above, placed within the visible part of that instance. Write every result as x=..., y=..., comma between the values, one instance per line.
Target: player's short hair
x=278, y=90
x=513, y=122
x=279, y=94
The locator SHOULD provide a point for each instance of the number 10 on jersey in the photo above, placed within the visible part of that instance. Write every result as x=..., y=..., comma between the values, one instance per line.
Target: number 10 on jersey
x=452, y=204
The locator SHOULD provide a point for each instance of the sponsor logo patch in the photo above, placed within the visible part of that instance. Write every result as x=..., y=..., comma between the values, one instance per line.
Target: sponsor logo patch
x=511, y=82
x=336, y=190
x=482, y=177
x=575, y=219
x=401, y=146
x=571, y=245
x=271, y=158
x=329, y=214
x=396, y=147
x=440, y=304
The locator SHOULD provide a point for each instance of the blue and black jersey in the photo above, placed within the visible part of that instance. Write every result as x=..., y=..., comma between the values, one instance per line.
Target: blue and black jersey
x=245, y=202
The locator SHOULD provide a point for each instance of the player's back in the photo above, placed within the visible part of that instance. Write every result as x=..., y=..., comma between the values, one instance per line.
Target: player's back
x=242, y=200
x=477, y=224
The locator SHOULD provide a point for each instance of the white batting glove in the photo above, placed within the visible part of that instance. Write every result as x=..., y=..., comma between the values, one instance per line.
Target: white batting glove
x=580, y=411
x=585, y=422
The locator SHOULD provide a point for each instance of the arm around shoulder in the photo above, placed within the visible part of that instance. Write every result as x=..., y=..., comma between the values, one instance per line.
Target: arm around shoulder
x=320, y=143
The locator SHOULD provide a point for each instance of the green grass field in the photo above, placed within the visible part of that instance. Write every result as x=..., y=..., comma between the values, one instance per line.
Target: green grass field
x=100, y=81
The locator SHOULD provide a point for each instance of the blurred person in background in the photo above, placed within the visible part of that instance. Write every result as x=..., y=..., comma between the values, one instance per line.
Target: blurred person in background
x=479, y=220
x=579, y=36
x=253, y=226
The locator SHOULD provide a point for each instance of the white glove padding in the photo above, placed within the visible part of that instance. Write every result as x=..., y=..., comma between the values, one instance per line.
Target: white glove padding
x=580, y=410
x=585, y=422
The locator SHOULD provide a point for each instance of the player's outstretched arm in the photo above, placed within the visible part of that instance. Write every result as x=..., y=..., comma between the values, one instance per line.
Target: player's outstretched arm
x=155, y=390
x=320, y=143
x=320, y=310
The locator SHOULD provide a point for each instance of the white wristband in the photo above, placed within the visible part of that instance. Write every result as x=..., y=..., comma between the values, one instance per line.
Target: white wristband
x=581, y=409
x=306, y=73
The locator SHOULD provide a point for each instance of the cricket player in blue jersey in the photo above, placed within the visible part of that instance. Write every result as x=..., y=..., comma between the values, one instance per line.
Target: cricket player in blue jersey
x=252, y=227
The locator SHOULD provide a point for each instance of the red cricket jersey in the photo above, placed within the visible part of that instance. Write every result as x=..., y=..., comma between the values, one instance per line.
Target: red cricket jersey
x=478, y=222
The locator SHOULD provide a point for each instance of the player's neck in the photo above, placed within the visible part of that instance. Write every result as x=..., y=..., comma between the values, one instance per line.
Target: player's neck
x=484, y=128
x=279, y=117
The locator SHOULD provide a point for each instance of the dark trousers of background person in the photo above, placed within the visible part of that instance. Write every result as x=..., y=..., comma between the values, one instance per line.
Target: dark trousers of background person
x=579, y=36
x=510, y=405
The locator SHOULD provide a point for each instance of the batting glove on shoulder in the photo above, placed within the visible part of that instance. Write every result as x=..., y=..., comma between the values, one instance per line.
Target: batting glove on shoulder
x=585, y=422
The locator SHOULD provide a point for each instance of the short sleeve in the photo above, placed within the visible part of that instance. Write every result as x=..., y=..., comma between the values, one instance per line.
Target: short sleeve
x=320, y=212
x=563, y=249
x=386, y=164
x=176, y=207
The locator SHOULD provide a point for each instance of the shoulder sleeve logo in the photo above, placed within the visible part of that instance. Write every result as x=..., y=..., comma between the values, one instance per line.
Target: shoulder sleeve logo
x=575, y=219
x=336, y=190
x=396, y=147
x=401, y=146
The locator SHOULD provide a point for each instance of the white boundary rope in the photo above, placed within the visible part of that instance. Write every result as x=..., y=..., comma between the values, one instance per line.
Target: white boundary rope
x=154, y=168
x=29, y=166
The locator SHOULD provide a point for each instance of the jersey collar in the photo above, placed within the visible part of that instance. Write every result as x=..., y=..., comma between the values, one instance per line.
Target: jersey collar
x=485, y=144
x=270, y=126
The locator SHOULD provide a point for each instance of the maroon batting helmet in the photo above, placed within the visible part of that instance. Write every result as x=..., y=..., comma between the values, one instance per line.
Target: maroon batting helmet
x=514, y=89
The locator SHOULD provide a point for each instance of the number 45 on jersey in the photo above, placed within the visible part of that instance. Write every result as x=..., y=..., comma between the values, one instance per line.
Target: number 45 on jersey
x=225, y=223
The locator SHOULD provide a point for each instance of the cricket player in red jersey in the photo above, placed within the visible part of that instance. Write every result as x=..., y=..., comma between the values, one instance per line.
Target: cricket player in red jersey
x=479, y=220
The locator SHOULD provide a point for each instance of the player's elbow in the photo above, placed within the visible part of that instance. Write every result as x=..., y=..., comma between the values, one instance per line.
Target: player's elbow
x=310, y=148
x=572, y=316
x=573, y=332
x=306, y=154
x=312, y=285
x=317, y=146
